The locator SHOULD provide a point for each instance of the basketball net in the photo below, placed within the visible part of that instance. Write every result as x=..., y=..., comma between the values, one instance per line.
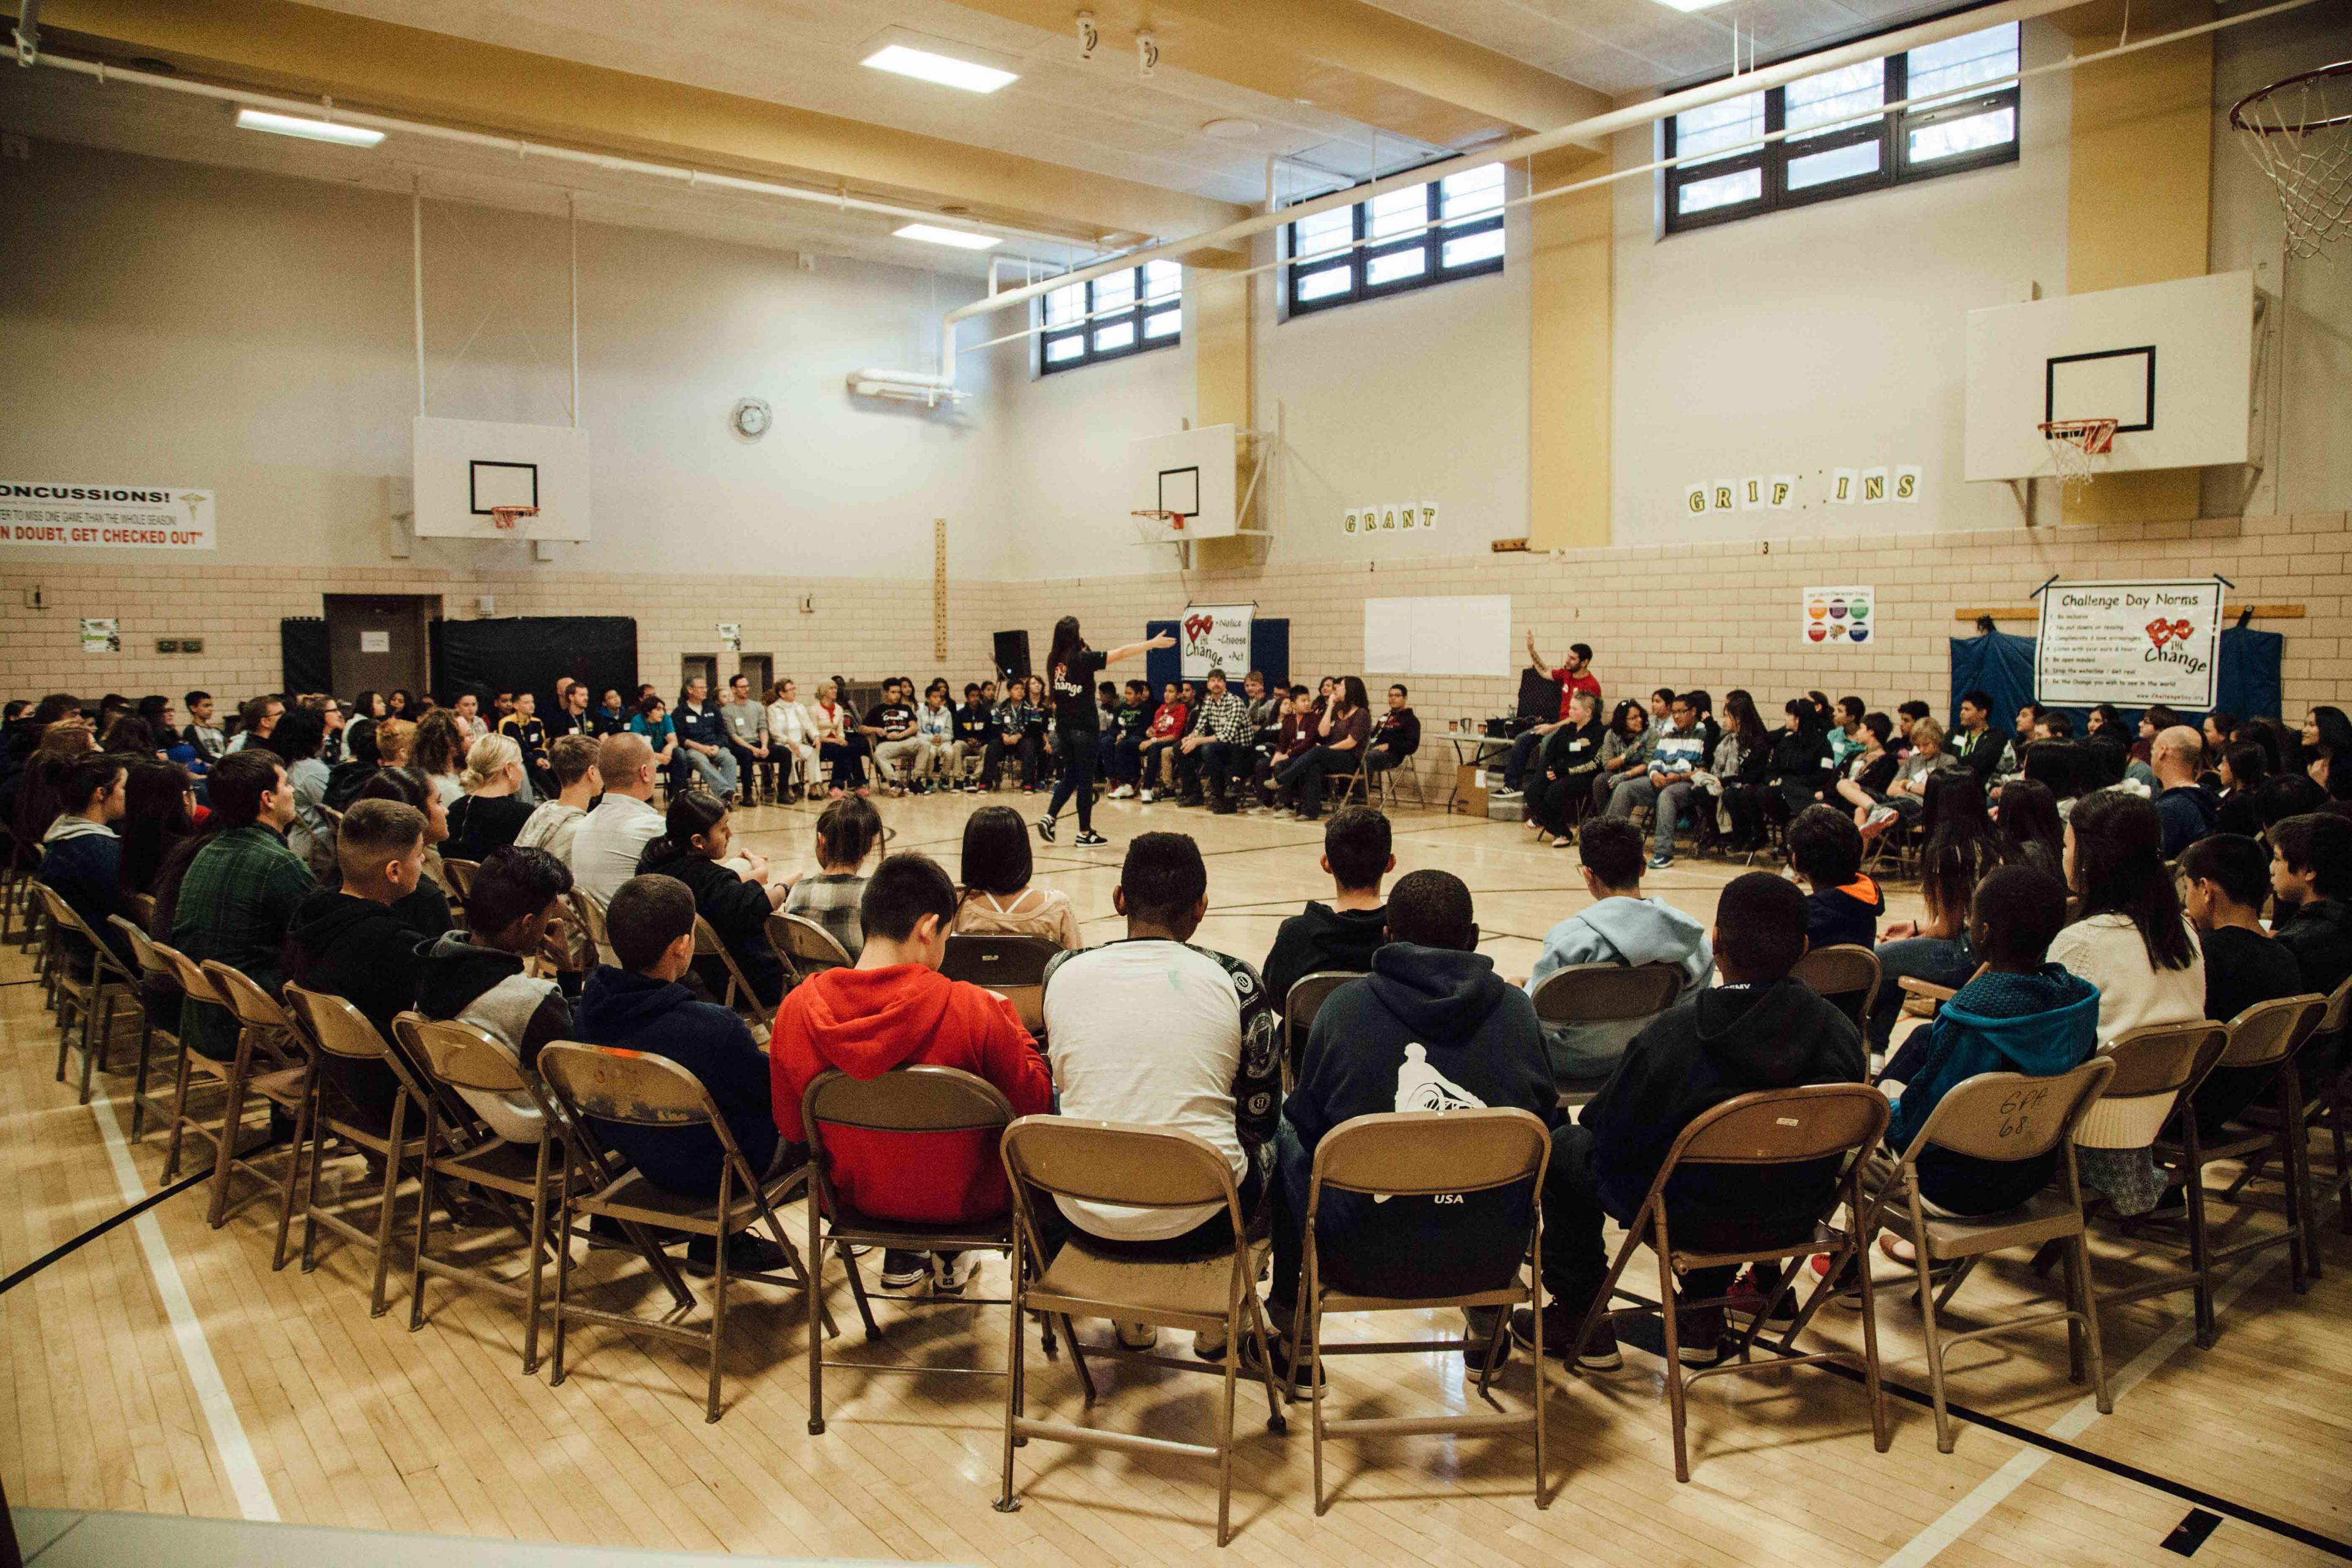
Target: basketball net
x=1159, y=527
x=504, y=516
x=2075, y=446
x=2299, y=132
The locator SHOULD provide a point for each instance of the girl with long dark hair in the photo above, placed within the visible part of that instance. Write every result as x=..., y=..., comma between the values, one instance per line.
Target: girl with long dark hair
x=1800, y=767
x=2129, y=938
x=2327, y=750
x=1743, y=759
x=693, y=848
x=1344, y=731
x=156, y=816
x=1959, y=849
x=1071, y=670
x=2031, y=831
x=2243, y=769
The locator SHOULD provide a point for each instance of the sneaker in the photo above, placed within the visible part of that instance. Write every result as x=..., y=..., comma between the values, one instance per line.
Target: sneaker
x=1660, y=862
x=1139, y=1336
x=1147, y=796
x=1561, y=1326
x=1507, y=793
x=1698, y=1335
x=1088, y=838
x=955, y=1271
x=1747, y=1296
x=1478, y=1326
x=1222, y=808
x=905, y=1270
x=1209, y=1344
x=746, y=1254
x=1046, y=829
x=1878, y=822
x=1190, y=800
x=972, y=789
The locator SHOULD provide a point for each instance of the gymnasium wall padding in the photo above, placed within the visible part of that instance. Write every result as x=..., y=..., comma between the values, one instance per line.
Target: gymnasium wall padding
x=526, y=652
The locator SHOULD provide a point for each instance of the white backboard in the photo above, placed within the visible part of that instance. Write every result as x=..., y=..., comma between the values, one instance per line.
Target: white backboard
x=1191, y=471
x=2172, y=363
x=466, y=467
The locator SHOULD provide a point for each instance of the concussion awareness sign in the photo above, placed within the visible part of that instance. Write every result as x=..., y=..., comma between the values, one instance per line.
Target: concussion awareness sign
x=106, y=517
x=2130, y=644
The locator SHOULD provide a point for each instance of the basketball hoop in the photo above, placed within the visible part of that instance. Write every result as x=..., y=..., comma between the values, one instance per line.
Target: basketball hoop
x=504, y=516
x=2299, y=132
x=1154, y=526
x=2075, y=444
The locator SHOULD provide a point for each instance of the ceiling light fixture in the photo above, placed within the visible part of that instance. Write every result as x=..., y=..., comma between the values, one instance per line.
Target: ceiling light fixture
x=1231, y=129
x=1689, y=5
x=961, y=238
x=943, y=69
x=307, y=130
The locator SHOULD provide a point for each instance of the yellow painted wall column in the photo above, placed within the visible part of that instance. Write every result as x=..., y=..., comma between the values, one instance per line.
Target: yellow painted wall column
x=1224, y=369
x=2139, y=200
x=1569, y=325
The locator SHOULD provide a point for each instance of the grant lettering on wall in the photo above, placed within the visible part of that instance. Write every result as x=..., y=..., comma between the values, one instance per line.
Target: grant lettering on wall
x=106, y=517
x=2129, y=643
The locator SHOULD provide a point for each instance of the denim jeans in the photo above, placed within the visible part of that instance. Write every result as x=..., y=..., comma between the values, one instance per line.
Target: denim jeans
x=718, y=773
x=1940, y=960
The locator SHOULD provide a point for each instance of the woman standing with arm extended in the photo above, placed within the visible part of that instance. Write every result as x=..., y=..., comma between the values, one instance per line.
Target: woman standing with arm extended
x=1072, y=667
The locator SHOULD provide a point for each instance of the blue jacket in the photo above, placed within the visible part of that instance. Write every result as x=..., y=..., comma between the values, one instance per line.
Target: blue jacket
x=81, y=862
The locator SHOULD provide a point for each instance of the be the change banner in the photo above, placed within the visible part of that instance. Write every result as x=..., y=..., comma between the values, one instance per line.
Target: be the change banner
x=106, y=517
x=1216, y=637
x=2130, y=644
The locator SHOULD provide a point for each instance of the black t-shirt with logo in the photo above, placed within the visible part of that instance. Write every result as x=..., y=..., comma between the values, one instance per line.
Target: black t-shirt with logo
x=889, y=717
x=1074, y=692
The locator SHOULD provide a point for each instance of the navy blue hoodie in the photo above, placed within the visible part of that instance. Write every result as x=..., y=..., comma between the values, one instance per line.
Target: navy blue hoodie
x=662, y=1018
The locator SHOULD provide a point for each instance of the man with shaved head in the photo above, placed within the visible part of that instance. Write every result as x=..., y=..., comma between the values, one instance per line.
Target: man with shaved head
x=605, y=852
x=2189, y=809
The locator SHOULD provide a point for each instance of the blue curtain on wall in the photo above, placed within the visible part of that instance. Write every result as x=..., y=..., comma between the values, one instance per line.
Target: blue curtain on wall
x=2000, y=664
x=2246, y=679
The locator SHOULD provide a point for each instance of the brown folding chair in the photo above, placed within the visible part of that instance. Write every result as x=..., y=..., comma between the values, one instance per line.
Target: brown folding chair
x=806, y=947
x=1011, y=966
x=588, y=913
x=270, y=1063
x=1843, y=974
x=1827, y=1122
x=1299, y=1005
x=153, y=966
x=2326, y=1088
x=907, y=1100
x=1603, y=993
x=333, y=1028
x=709, y=944
x=1425, y=1154
x=461, y=878
x=88, y=998
x=634, y=1088
x=1139, y=1167
x=2006, y=1117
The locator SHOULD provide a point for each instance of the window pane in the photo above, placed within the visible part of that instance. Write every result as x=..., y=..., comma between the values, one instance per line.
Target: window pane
x=1957, y=64
x=1402, y=264
x=1064, y=306
x=1469, y=195
x=1473, y=248
x=1930, y=142
x=1843, y=163
x=1722, y=191
x=1117, y=337
x=1837, y=97
x=1162, y=324
x=1163, y=280
x=1399, y=212
x=1059, y=351
x=1114, y=292
x=1719, y=127
x=1323, y=233
x=1322, y=285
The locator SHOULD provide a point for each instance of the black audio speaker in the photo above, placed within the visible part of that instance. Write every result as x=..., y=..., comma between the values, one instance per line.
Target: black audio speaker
x=1011, y=655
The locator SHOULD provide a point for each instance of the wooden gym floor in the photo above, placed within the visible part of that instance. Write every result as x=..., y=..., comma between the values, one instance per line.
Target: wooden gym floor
x=164, y=1368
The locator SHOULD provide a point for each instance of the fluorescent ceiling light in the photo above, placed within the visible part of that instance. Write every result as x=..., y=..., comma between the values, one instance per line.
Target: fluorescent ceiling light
x=307, y=130
x=944, y=70
x=1690, y=5
x=961, y=238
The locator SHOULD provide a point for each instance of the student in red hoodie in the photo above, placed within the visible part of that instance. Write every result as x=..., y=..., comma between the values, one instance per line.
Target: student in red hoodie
x=896, y=1009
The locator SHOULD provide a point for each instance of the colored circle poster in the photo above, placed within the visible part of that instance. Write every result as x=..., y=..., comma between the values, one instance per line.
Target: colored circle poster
x=1838, y=617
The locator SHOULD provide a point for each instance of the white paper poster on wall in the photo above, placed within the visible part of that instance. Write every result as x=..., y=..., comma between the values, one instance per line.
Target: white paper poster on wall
x=1834, y=617
x=101, y=635
x=376, y=642
x=1439, y=635
x=2130, y=644
x=106, y=517
x=1216, y=637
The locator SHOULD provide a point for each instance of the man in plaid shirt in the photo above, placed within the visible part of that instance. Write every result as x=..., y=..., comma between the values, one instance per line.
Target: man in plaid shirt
x=1222, y=740
x=240, y=891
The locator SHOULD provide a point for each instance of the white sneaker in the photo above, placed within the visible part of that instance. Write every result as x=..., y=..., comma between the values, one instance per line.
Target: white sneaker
x=1147, y=796
x=953, y=1274
x=1139, y=1336
x=1124, y=792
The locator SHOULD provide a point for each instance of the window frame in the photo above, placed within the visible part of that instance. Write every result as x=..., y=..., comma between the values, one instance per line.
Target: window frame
x=1889, y=129
x=1362, y=253
x=1091, y=322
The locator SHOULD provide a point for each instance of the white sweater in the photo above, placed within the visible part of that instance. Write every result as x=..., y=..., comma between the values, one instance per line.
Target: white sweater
x=2106, y=951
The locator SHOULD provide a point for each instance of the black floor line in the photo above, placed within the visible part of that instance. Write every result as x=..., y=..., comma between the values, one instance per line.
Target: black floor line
x=66, y=1249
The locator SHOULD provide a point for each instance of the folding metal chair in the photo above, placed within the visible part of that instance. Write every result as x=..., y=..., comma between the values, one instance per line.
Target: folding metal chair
x=90, y=998
x=2327, y=1090
x=588, y=911
x=1385, y=781
x=1425, y=1154
x=153, y=968
x=1299, y=1005
x=709, y=944
x=631, y=1087
x=1604, y=994
x=333, y=1028
x=910, y=1099
x=1838, y=1122
x=806, y=947
x=1011, y=966
x=1843, y=974
x=264, y=1033
x=1137, y=1167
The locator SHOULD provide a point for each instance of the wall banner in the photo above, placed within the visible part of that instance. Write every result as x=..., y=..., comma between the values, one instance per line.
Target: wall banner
x=2130, y=644
x=1832, y=617
x=106, y=517
x=1216, y=637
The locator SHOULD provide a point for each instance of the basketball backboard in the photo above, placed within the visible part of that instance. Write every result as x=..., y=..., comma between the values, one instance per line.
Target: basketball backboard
x=465, y=468
x=1191, y=472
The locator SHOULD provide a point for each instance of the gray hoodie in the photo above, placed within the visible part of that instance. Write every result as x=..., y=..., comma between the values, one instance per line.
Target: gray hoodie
x=1617, y=931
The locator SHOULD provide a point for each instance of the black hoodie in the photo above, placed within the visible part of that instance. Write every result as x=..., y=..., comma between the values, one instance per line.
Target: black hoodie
x=663, y=1018
x=1320, y=939
x=366, y=954
x=1430, y=1029
x=1710, y=1046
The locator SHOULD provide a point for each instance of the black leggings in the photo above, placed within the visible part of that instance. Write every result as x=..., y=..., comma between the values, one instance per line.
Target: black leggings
x=1078, y=749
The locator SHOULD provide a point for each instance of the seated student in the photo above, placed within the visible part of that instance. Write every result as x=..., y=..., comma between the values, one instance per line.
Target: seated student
x=1825, y=850
x=81, y=855
x=1621, y=927
x=847, y=832
x=1396, y=736
x=972, y=729
x=2243, y=769
x=998, y=899
x=478, y=976
x=2021, y=1013
x=1293, y=738
x=1209, y=1062
x=840, y=746
x=1570, y=760
x=2187, y=807
x=895, y=1009
x=612, y=839
x=744, y=720
x=1124, y=739
x=734, y=896
x=2225, y=879
x=239, y=891
x=2311, y=873
x=1800, y=764
x=940, y=765
x=297, y=740
x=555, y=824
x=202, y=733
x=492, y=809
x=1014, y=737
x=1625, y=751
x=522, y=725
x=1340, y=738
x=1169, y=724
x=1760, y=1029
x=351, y=940
x=1433, y=1029
x=889, y=727
x=1344, y=933
x=362, y=755
x=426, y=908
x=1666, y=785
x=792, y=740
x=1906, y=793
